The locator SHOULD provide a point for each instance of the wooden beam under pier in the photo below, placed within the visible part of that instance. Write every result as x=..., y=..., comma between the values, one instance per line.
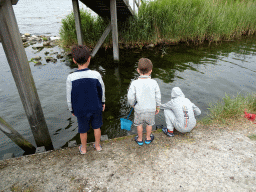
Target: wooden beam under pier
x=18, y=61
x=16, y=137
x=102, y=39
x=114, y=28
x=78, y=22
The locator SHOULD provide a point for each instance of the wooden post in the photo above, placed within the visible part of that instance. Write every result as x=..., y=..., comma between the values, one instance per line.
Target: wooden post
x=78, y=22
x=16, y=137
x=21, y=72
x=113, y=13
x=102, y=39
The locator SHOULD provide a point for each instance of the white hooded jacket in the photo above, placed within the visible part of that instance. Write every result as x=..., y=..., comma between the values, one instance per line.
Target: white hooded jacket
x=184, y=111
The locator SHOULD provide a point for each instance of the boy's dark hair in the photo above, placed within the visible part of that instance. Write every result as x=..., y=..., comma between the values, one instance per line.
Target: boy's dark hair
x=80, y=53
x=145, y=65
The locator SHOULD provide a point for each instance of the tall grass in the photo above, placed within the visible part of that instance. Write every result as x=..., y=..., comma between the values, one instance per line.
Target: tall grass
x=173, y=21
x=92, y=29
x=230, y=108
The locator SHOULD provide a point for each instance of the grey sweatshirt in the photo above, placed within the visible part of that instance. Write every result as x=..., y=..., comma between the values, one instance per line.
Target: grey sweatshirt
x=183, y=109
x=146, y=92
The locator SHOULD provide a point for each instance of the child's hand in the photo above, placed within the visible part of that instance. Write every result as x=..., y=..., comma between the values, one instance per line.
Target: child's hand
x=103, y=107
x=157, y=111
x=73, y=114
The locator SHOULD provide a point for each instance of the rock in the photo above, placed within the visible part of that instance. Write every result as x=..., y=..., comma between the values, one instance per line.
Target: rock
x=69, y=54
x=54, y=60
x=63, y=60
x=150, y=46
x=25, y=44
x=59, y=56
x=48, y=58
x=37, y=63
x=45, y=38
x=54, y=38
x=46, y=43
x=72, y=143
x=38, y=47
x=32, y=42
x=52, y=44
x=104, y=137
x=40, y=149
x=55, y=53
x=8, y=156
x=24, y=39
x=46, y=52
x=37, y=58
x=27, y=34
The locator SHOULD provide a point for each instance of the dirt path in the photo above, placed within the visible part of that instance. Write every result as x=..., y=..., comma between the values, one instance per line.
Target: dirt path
x=207, y=159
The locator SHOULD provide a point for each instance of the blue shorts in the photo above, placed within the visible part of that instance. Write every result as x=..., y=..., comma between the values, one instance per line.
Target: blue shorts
x=94, y=119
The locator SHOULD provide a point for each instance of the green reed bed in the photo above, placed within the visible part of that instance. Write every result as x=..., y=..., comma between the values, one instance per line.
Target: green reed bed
x=170, y=21
x=230, y=108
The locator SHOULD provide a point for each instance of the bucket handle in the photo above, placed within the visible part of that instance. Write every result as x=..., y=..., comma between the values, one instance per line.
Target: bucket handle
x=131, y=110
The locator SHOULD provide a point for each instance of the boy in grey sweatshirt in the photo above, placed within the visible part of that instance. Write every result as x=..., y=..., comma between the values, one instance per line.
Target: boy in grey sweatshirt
x=179, y=113
x=145, y=91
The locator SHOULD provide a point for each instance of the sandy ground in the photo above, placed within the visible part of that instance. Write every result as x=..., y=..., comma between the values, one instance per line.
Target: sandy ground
x=207, y=159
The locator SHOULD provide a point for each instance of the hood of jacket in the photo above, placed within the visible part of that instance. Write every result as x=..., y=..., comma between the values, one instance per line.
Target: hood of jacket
x=176, y=92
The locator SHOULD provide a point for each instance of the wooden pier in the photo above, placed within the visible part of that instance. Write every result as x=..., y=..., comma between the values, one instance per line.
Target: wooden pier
x=115, y=10
x=102, y=8
x=10, y=36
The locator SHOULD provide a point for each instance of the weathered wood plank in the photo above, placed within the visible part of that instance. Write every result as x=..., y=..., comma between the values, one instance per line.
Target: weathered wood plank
x=101, y=40
x=18, y=61
x=78, y=22
x=114, y=29
x=102, y=8
x=16, y=137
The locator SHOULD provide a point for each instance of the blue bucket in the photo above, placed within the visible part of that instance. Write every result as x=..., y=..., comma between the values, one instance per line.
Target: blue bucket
x=126, y=123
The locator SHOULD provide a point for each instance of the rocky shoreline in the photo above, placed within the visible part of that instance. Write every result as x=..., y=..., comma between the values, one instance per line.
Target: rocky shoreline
x=38, y=43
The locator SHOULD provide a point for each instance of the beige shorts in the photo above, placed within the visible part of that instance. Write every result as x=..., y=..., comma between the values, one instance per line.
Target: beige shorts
x=147, y=118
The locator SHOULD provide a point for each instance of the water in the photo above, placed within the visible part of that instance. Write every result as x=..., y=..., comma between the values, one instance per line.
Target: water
x=203, y=73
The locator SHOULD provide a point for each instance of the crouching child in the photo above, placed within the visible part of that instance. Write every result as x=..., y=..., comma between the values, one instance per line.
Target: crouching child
x=179, y=113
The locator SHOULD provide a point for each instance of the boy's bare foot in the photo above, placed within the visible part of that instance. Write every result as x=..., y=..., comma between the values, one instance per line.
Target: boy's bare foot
x=82, y=150
x=98, y=148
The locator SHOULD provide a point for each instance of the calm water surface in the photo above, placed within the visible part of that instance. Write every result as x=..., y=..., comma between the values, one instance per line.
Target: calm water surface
x=203, y=73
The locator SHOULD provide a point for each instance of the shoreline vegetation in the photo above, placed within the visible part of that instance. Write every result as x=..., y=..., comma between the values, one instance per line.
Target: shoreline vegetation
x=170, y=23
x=230, y=109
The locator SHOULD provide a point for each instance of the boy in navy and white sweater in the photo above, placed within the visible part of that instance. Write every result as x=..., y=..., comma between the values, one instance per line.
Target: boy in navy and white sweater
x=86, y=97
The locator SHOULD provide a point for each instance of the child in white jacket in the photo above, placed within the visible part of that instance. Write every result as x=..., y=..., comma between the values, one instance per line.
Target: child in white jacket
x=146, y=92
x=179, y=113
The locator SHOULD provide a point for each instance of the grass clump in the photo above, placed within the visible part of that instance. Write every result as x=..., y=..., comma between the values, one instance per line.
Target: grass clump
x=170, y=21
x=230, y=108
x=252, y=137
x=92, y=29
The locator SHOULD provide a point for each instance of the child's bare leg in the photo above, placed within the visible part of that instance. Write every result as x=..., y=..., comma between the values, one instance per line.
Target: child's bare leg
x=83, y=138
x=97, y=135
x=140, y=131
x=149, y=131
